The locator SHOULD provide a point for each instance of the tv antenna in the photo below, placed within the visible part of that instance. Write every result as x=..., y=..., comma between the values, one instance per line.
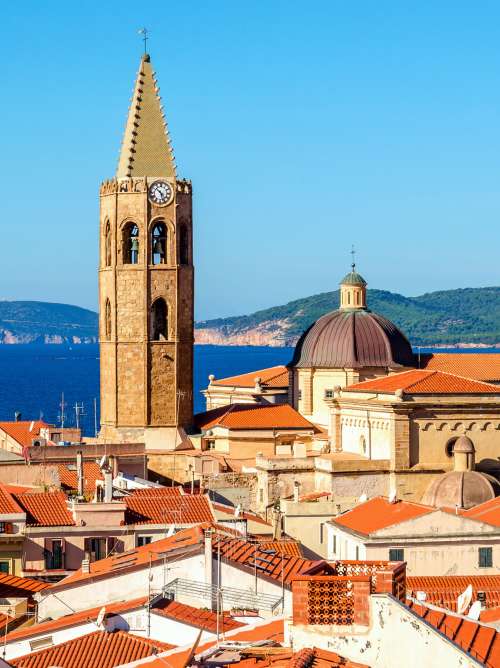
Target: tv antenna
x=79, y=412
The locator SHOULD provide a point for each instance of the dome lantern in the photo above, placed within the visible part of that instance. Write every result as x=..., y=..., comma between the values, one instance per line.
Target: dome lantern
x=353, y=289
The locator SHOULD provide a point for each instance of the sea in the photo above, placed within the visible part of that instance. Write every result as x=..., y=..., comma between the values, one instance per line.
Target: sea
x=44, y=381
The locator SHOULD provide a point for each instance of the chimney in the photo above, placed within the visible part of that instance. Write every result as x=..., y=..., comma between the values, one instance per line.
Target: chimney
x=209, y=556
x=85, y=565
x=296, y=488
x=108, y=486
x=79, y=472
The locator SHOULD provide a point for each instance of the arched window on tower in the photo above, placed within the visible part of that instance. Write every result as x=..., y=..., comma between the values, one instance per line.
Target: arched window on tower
x=107, y=320
x=159, y=320
x=159, y=244
x=183, y=244
x=130, y=244
x=107, y=245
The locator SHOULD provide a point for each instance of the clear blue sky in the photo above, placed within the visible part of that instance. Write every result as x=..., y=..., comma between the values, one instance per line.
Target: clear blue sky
x=305, y=127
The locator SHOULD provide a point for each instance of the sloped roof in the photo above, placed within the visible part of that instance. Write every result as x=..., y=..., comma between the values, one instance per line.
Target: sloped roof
x=8, y=505
x=422, y=381
x=45, y=509
x=164, y=507
x=444, y=590
x=488, y=512
x=201, y=619
x=243, y=514
x=481, y=366
x=250, y=416
x=481, y=642
x=379, y=513
x=12, y=586
x=285, y=657
x=275, y=376
x=68, y=476
x=94, y=650
x=20, y=431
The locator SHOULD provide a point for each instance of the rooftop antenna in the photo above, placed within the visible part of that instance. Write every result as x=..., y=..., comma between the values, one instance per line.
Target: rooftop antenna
x=62, y=415
x=79, y=412
x=144, y=32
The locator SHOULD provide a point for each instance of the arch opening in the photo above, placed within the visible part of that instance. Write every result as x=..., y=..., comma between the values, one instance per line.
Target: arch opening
x=159, y=320
x=159, y=244
x=130, y=244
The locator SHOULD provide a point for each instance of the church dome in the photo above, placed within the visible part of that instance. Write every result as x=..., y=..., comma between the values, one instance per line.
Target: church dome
x=353, y=278
x=464, y=489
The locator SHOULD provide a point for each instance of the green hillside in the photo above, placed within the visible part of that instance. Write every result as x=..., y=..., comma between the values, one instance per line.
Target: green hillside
x=470, y=315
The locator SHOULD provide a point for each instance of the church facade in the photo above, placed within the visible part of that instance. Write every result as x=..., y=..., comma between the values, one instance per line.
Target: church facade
x=146, y=283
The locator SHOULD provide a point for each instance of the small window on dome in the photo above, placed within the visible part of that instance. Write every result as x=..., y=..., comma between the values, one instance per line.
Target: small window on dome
x=449, y=446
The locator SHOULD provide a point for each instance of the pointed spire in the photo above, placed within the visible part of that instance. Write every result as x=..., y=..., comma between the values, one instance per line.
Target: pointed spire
x=146, y=149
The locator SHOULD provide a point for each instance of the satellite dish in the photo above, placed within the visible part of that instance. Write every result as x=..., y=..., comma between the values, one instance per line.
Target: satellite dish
x=363, y=498
x=475, y=610
x=171, y=531
x=463, y=601
x=100, y=616
x=237, y=510
x=393, y=497
x=421, y=596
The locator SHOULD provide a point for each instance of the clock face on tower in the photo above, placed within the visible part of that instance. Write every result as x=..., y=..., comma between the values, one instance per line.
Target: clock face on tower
x=160, y=193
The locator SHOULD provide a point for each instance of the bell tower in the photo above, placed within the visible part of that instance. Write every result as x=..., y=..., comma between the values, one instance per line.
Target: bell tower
x=146, y=283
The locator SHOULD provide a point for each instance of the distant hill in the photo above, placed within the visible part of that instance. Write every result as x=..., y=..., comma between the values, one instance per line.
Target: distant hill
x=43, y=322
x=469, y=316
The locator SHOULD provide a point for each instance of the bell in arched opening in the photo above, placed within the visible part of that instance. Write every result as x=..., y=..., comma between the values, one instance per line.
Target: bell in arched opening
x=131, y=244
x=159, y=244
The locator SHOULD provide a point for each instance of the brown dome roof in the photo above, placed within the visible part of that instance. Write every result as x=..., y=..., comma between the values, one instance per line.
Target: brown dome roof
x=353, y=338
x=464, y=489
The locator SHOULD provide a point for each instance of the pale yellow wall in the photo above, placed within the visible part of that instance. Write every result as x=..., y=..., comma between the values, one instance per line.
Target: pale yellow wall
x=372, y=429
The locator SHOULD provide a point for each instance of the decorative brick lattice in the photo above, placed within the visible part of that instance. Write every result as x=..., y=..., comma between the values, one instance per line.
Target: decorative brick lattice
x=360, y=568
x=330, y=602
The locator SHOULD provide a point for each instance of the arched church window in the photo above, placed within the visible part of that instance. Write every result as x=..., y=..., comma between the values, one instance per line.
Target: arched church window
x=130, y=244
x=183, y=244
x=107, y=245
x=348, y=297
x=159, y=244
x=159, y=320
x=107, y=320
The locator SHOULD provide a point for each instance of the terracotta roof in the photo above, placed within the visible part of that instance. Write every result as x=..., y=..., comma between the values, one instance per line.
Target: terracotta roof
x=290, y=547
x=443, y=590
x=94, y=650
x=8, y=505
x=275, y=376
x=161, y=506
x=12, y=586
x=421, y=381
x=379, y=513
x=490, y=615
x=488, y=512
x=68, y=476
x=285, y=657
x=5, y=620
x=21, y=432
x=481, y=366
x=140, y=556
x=230, y=510
x=45, y=509
x=250, y=416
x=480, y=642
x=201, y=619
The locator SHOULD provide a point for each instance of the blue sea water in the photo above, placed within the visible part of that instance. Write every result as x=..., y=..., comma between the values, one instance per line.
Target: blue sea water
x=33, y=377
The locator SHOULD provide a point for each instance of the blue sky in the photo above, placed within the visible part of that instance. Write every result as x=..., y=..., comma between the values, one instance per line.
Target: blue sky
x=305, y=127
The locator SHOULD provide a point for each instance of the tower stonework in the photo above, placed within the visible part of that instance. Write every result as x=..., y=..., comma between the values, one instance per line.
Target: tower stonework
x=146, y=283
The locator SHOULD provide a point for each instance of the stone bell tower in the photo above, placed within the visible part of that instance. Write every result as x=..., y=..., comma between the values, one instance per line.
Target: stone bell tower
x=146, y=283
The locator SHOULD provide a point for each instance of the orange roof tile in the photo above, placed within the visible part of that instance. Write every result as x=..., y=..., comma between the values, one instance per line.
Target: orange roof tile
x=481, y=366
x=379, y=513
x=488, y=512
x=290, y=547
x=24, y=431
x=421, y=381
x=74, y=619
x=45, y=509
x=275, y=376
x=201, y=619
x=250, y=416
x=285, y=657
x=490, y=615
x=443, y=590
x=12, y=586
x=94, y=650
x=480, y=642
x=164, y=507
x=5, y=620
x=8, y=505
x=68, y=476
x=230, y=510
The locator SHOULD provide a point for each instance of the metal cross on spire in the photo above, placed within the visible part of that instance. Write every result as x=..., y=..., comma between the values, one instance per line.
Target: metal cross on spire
x=353, y=254
x=144, y=32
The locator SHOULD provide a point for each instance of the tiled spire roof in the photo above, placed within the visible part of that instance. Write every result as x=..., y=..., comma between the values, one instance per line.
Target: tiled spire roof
x=146, y=149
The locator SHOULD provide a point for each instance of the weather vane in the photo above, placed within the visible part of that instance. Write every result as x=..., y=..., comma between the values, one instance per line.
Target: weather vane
x=144, y=32
x=353, y=253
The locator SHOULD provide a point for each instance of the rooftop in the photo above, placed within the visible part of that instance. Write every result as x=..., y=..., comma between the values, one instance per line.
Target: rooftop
x=275, y=376
x=94, y=650
x=8, y=505
x=249, y=416
x=201, y=619
x=24, y=431
x=68, y=476
x=423, y=381
x=162, y=506
x=379, y=513
x=13, y=586
x=488, y=512
x=481, y=366
x=443, y=590
x=45, y=509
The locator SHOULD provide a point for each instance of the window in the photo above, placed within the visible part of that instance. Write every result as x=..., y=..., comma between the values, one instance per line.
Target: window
x=362, y=444
x=329, y=394
x=485, y=557
x=54, y=555
x=210, y=445
x=41, y=643
x=300, y=395
x=95, y=548
x=130, y=244
x=159, y=244
x=183, y=244
x=159, y=320
x=396, y=554
x=449, y=446
x=321, y=530
x=143, y=540
x=107, y=320
x=107, y=245
x=4, y=566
